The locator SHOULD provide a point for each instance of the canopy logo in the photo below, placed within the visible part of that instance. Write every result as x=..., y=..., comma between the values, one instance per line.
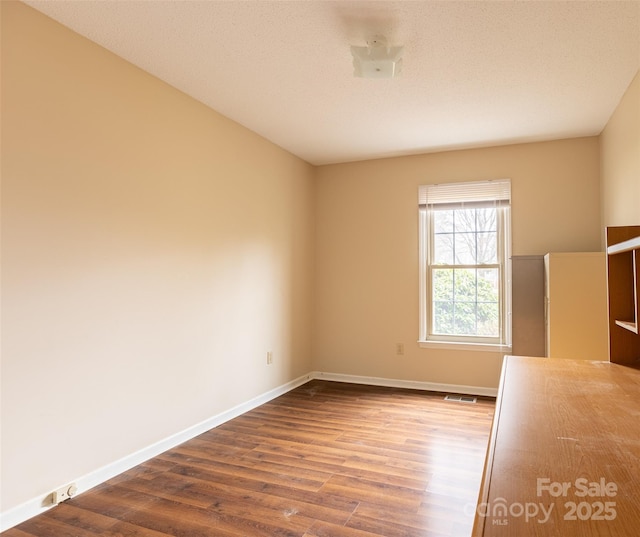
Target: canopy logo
x=501, y=511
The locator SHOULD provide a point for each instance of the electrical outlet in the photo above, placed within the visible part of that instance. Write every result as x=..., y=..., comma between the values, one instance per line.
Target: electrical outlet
x=269, y=358
x=63, y=493
x=399, y=349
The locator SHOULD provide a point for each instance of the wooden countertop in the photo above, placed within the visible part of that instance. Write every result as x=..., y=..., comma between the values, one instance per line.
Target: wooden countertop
x=564, y=453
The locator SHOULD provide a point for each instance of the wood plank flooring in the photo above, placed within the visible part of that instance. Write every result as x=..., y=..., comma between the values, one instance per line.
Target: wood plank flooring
x=325, y=460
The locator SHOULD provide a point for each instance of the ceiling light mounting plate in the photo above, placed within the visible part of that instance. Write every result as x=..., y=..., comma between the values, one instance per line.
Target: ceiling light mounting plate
x=377, y=59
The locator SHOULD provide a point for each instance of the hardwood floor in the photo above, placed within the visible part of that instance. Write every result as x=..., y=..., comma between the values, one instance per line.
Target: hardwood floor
x=325, y=460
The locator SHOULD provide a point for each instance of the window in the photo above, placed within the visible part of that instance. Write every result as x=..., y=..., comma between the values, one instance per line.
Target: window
x=465, y=276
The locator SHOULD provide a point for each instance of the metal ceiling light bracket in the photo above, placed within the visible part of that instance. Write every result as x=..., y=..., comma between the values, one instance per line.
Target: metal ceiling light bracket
x=377, y=59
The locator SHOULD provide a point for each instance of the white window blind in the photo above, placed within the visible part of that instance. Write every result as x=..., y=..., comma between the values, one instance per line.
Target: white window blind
x=471, y=194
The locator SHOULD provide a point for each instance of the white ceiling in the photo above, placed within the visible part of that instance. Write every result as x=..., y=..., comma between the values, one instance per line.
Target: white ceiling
x=475, y=73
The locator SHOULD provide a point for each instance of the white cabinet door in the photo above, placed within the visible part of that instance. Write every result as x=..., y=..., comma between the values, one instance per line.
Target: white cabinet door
x=576, y=306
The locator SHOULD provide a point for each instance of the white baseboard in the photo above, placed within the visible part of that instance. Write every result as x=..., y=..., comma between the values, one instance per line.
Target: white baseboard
x=410, y=384
x=40, y=504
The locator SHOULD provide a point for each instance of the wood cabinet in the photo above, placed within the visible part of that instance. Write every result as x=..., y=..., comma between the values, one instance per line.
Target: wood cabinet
x=623, y=284
x=564, y=455
x=576, y=325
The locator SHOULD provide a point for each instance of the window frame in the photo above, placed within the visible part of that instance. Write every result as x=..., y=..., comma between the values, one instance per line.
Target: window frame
x=427, y=338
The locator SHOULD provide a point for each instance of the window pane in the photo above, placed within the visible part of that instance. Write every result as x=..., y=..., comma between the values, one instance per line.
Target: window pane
x=486, y=220
x=464, y=292
x=488, y=319
x=465, y=285
x=443, y=249
x=443, y=221
x=442, y=296
x=487, y=244
x=442, y=317
x=442, y=285
x=488, y=302
x=465, y=248
x=464, y=318
x=465, y=220
x=488, y=285
x=465, y=302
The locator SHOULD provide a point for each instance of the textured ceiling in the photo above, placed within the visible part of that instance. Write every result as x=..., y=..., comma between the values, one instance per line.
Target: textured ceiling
x=475, y=73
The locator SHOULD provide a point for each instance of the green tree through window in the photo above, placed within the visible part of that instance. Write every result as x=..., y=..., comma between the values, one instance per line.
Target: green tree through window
x=465, y=302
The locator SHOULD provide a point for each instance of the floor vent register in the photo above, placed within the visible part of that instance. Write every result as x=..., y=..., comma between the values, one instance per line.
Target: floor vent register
x=461, y=398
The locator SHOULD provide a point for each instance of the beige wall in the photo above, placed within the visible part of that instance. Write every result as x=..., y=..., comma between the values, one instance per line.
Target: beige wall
x=153, y=252
x=367, y=249
x=620, y=161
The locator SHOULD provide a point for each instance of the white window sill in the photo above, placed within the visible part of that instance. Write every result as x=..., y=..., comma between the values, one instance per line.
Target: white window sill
x=459, y=346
